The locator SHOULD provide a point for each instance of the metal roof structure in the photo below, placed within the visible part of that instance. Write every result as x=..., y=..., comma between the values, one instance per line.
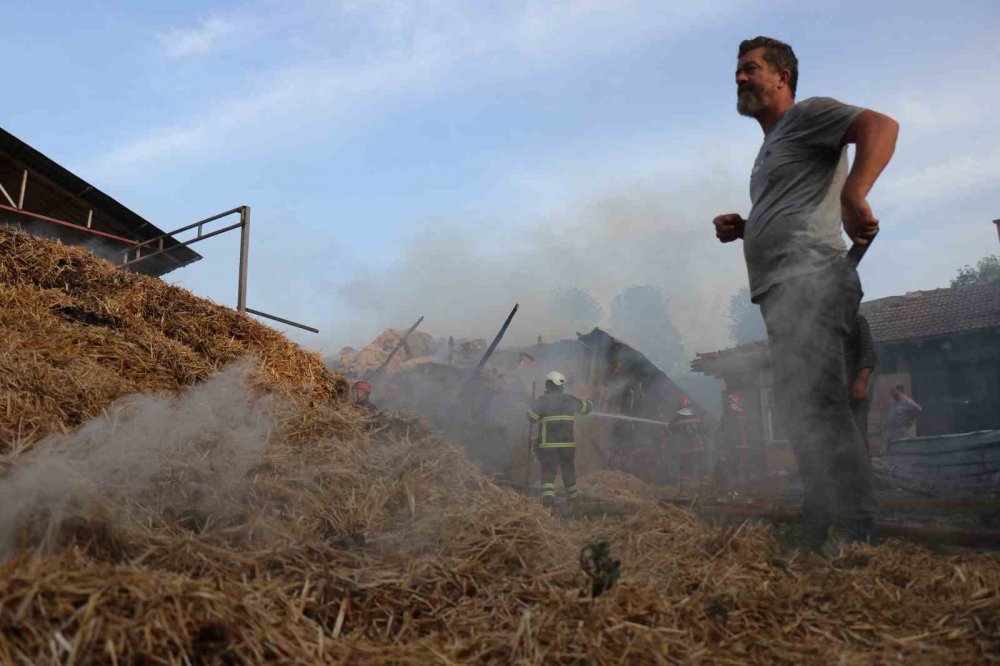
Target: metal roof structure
x=927, y=314
x=46, y=199
x=917, y=315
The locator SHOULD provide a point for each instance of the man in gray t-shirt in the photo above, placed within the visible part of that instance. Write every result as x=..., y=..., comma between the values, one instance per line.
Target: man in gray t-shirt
x=802, y=193
x=794, y=225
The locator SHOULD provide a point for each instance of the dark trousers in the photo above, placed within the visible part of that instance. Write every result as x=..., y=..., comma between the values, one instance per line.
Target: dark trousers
x=808, y=319
x=860, y=409
x=563, y=459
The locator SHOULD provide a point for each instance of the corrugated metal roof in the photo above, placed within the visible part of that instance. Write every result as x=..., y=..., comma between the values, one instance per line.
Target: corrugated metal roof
x=56, y=192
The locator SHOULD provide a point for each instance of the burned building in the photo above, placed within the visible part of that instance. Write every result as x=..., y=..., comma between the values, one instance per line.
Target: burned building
x=45, y=199
x=943, y=345
x=621, y=381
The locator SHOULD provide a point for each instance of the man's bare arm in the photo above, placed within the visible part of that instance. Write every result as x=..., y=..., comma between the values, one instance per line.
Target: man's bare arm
x=874, y=135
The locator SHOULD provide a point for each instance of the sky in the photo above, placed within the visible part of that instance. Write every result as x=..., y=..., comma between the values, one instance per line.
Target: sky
x=448, y=159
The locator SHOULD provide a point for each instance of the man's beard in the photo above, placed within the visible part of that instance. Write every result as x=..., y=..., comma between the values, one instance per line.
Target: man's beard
x=750, y=101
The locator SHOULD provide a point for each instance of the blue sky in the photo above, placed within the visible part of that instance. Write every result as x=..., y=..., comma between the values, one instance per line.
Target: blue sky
x=449, y=158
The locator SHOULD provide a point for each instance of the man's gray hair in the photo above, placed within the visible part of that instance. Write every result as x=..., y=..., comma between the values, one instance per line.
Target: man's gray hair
x=777, y=54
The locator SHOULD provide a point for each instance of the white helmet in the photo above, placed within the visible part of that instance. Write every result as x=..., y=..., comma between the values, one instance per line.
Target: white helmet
x=556, y=378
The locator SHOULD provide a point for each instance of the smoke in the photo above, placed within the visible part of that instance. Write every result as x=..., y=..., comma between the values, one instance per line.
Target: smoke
x=196, y=448
x=464, y=277
x=109, y=249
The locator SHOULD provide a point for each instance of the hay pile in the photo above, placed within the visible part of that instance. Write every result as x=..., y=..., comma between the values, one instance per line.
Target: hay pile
x=614, y=484
x=336, y=538
x=421, y=349
x=360, y=363
x=77, y=333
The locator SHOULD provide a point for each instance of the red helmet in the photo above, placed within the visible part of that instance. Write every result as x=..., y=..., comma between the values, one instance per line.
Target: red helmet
x=361, y=390
x=684, y=401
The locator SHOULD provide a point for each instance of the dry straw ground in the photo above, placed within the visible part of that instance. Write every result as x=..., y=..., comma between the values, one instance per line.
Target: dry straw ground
x=77, y=333
x=358, y=539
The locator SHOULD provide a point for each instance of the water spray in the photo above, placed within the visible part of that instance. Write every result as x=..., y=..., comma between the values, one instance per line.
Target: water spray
x=622, y=417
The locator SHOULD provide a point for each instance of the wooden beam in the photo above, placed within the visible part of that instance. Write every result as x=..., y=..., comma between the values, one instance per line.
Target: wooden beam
x=24, y=185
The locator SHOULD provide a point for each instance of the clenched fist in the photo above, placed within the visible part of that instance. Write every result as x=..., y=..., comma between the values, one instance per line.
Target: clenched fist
x=859, y=221
x=729, y=227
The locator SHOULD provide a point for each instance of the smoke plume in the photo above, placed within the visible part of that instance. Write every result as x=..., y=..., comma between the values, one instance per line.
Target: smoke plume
x=464, y=277
x=198, y=446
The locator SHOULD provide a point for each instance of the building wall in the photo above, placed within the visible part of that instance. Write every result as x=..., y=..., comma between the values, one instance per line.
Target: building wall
x=754, y=387
x=955, y=379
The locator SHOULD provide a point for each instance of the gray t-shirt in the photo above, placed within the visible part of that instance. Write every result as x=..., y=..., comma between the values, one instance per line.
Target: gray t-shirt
x=794, y=226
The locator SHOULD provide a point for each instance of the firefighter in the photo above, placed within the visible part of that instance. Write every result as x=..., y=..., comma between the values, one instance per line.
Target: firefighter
x=555, y=411
x=688, y=440
x=361, y=391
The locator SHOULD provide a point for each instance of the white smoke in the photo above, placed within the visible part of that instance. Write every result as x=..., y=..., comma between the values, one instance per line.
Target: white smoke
x=200, y=444
x=465, y=277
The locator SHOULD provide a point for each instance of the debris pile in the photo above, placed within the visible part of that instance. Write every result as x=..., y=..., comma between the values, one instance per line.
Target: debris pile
x=420, y=349
x=345, y=538
x=360, y=363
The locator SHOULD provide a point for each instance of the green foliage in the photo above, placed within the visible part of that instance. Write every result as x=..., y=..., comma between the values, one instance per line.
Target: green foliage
x=745, y=323
x=640, y=317
x=577, y=308
x=986, y=271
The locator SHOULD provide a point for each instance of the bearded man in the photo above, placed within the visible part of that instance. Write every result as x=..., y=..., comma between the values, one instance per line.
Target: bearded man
x=808, y=292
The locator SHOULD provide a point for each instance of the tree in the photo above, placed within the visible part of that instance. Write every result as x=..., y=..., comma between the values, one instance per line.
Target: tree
x=640, y=316
x=745, y=323
x=986, y=271
x=577, y=307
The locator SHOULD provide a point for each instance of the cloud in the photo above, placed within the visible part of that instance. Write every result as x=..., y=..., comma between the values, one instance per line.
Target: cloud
x=395, y=48
x=324, y=90
x=199, y=39
x=951, y=178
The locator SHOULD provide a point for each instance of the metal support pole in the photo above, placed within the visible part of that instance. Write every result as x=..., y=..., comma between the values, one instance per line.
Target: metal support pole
x=997, y=222
x=24, y=185
x=241, y=297
x=282, y=320
x=90, y=218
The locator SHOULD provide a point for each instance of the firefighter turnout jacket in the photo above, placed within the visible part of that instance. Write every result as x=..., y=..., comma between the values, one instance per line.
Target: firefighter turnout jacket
x=555, y=412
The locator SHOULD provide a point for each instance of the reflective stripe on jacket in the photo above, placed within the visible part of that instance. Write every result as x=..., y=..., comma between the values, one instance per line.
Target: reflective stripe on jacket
x=555, y=411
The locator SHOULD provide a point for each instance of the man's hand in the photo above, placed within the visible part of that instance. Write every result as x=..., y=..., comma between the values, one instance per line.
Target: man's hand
x=729, y=227
x=859, y=221
x=859, y=390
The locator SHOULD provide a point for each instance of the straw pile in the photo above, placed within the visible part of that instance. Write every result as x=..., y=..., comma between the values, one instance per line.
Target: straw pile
x=614, y=484
x=420, y=349
x=372, y=355
x=343, y=538
x=79, y=333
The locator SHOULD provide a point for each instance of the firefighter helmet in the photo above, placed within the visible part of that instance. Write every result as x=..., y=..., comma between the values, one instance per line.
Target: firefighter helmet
x=361, y=390
x=685, y=406
x=557, y=378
